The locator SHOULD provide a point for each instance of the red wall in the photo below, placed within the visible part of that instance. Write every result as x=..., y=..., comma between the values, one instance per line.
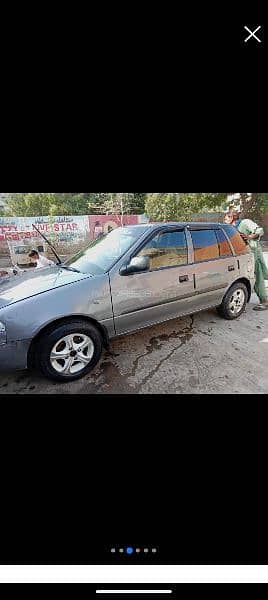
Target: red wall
x=102, y=219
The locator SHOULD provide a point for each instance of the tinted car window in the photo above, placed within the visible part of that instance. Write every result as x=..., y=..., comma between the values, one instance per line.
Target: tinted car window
x=239, y=246
x=224, y=246
x=166, y=250
x=205, y=245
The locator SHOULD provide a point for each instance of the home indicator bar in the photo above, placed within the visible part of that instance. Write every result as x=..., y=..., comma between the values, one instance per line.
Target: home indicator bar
x=133, y=591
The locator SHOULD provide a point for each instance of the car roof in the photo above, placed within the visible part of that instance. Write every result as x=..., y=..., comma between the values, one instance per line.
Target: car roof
x=195, y=224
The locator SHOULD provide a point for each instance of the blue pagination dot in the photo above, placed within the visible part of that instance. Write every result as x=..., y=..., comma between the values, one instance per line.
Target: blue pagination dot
x=130, y=550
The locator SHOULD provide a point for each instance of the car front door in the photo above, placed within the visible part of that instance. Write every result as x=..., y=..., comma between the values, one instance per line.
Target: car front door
x=164, y=291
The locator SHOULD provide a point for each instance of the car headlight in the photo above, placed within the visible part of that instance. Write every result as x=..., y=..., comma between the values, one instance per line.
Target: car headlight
x=3, y=334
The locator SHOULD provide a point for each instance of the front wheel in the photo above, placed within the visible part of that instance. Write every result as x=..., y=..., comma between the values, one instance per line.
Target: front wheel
x=69, y=351
x=234, y=302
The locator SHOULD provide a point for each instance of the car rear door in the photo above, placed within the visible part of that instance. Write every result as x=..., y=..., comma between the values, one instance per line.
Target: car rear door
x=215, y=265
x=163, y=292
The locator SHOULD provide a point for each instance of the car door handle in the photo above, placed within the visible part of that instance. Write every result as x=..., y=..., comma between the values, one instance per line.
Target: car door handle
x=183, y=278
x=231, y=268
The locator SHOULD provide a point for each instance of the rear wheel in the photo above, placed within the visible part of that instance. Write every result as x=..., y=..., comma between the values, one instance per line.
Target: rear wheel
x=234, y=302
x=69, y=351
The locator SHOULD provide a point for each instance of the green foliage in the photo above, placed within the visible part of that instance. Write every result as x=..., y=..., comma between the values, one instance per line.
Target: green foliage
x=253, y=206
x=213, y=202
x=35, y=204
x=262, y=203
x=139, y=203
x=23, y=205
x=159, y=207
x=112, y=203
x=117, y=203
x=69, y=204
x=28, y=205
x=180, y=207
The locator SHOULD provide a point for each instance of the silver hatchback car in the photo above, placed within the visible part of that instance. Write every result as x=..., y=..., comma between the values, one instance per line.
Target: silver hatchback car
x=57, y=319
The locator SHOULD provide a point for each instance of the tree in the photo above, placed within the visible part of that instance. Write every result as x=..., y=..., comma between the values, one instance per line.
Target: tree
x=35, y=204
x=69, y=204
x=158, y=206
x=116, y=203
x=139, y=203
x=180, y=207
x=28, y=205
x=96, y=202
x=253, y=205
x=113, y=204
x=215, y=202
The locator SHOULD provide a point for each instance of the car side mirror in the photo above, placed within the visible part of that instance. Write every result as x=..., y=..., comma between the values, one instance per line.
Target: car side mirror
x=138, y=264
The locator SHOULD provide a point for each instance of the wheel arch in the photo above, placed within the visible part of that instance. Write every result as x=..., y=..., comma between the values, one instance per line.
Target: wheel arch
x=243, y=280
x=50, y=326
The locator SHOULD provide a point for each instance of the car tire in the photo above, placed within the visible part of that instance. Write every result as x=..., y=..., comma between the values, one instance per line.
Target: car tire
x=234, y=302
x=68, y=351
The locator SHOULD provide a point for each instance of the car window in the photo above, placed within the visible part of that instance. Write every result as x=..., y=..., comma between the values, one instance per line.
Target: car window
x=239, y=246
x=224, y=246
x=205, y=245
x=168, y=249
x=21, y=250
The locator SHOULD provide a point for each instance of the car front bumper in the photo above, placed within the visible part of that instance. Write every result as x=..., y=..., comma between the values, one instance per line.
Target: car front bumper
x=13, y=355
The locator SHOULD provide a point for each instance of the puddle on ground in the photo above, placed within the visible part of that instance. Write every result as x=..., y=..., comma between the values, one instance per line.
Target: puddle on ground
x=108, y=375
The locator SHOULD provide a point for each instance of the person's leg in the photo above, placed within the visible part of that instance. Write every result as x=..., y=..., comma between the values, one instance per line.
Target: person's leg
x=260, y=274
x=264, y=266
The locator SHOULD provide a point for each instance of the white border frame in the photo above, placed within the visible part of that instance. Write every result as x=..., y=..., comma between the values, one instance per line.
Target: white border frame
x=134, y=574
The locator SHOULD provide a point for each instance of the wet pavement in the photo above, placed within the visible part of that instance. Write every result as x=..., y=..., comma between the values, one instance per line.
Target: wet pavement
x=197, y=354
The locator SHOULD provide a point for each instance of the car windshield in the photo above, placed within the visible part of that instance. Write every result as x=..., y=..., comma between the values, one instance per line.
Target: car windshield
x=102, y=253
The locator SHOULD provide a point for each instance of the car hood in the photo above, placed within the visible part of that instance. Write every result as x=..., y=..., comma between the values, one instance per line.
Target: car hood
x=20, y=287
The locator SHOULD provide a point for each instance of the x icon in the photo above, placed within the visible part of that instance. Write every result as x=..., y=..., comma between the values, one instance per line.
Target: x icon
x=252, y=33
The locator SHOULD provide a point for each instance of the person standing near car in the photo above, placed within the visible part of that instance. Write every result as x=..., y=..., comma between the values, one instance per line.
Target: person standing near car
x=252, y=233
x=41, y=261
x=232, y=217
